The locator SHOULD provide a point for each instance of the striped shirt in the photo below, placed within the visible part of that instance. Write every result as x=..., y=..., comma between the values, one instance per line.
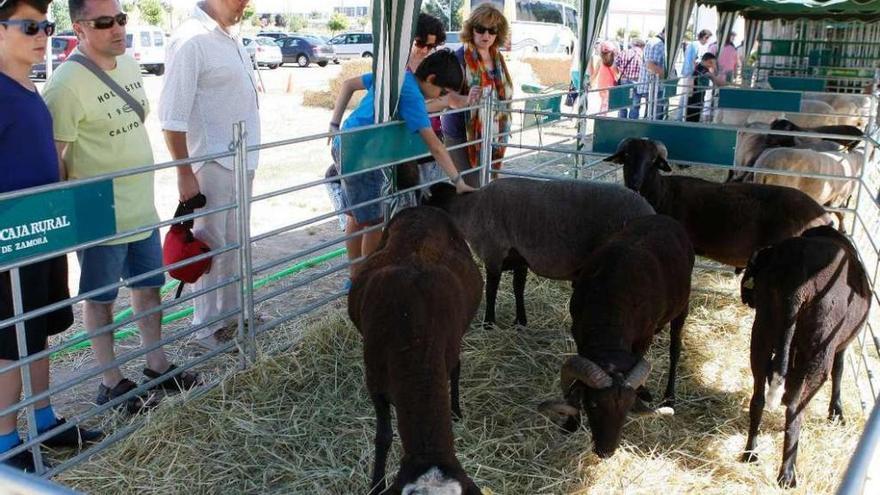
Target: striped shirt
x=655, y=52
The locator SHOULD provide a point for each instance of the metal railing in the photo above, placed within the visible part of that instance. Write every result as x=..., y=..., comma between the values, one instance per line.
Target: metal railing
x=566, y=153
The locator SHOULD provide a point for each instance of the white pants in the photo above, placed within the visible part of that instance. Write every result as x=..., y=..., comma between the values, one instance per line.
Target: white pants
x=217, y=230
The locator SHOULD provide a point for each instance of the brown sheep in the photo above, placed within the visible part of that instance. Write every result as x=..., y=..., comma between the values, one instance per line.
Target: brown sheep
x=811, y=297
x=412, y=301
x=726, y=222
x=628, y=290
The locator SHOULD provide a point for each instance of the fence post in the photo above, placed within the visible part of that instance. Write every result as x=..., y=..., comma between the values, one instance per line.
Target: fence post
x=18, y=310
x=487, y=114
x=246, y=334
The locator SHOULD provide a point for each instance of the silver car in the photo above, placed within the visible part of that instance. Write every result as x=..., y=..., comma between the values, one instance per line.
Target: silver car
x=263, y=51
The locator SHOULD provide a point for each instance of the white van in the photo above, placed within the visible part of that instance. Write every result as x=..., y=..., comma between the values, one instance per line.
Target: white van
x=147, y=45
x=352, y=45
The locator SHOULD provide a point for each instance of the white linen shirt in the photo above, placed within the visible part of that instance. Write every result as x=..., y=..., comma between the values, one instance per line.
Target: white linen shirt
x=209, y=86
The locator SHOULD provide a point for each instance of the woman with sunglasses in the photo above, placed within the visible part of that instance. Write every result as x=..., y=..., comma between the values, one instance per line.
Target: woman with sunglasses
x=483, y=34
x=28, y=159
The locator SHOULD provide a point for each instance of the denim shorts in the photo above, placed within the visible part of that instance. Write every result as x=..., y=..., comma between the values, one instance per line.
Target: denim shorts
x=363, y=187
x=104, y=265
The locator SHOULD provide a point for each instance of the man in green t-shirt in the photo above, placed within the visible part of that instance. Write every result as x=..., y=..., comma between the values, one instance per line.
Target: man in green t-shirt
x=98, y=133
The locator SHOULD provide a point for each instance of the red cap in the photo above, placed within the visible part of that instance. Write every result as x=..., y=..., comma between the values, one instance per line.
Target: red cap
x=180, y=244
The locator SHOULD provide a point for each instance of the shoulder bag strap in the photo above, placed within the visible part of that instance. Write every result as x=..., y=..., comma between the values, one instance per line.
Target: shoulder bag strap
x=113, y=85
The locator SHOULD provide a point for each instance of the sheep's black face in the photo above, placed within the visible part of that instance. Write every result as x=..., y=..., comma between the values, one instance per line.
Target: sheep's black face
x=442, y=194
x=606, y=411
x=641, y=158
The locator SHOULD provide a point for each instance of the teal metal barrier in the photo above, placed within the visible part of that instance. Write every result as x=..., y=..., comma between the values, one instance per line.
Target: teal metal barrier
x=374, y=147
x=685, y=142
x=620, y=97
x=549, y=103
x=797, y=83
x=759, y=99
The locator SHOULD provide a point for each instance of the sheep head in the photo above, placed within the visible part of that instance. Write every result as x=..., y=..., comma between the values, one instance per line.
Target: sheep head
x=605, y=396
x=433, y=480
x=641, y=158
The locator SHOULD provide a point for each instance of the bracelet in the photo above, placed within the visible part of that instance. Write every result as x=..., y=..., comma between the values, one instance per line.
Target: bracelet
x=334, y=125
x=456, y=178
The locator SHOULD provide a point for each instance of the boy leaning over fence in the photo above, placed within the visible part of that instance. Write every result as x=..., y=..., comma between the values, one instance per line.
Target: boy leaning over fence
x=98, y=107
x=436, y=76
x=28, y=159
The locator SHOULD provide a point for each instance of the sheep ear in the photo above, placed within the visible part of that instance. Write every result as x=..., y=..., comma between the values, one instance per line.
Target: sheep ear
x=616, y=158
x=662, y=164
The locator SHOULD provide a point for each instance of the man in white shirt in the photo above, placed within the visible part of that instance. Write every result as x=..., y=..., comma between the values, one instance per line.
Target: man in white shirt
x=209, y=86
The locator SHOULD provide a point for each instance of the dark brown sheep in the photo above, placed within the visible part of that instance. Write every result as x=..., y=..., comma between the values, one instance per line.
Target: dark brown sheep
x=725, y=222
x=549, y=227
x=412, y=300
x=630, y=288
x=811, y=297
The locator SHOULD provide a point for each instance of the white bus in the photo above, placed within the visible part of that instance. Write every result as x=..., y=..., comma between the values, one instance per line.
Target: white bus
x=544, y=26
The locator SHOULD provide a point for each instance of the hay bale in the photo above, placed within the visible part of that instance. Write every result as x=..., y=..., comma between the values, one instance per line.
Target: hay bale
x=550, y=69
x=327, y=99
x=302, y=423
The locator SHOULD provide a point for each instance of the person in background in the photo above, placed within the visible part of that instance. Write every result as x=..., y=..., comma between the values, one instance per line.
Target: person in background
x=209, y=86
x=603, y=73
x=28, y=159
x=439, y=73
x=630, y=65
x=485, y=72
x=653, y=70
x=703, y=75
x=728, y=58
x=695, y=49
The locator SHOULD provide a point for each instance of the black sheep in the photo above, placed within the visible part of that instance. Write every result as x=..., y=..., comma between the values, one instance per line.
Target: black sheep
x=549, y=227
x=811, y=297
x=412, y=300
x=630, y=288
x=725, y=222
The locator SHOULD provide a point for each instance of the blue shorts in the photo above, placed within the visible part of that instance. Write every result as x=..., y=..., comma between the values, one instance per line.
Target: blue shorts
x=104, y=265
x=359, y=189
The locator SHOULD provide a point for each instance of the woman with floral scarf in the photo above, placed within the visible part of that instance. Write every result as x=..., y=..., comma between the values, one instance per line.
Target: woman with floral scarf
x=483, y=34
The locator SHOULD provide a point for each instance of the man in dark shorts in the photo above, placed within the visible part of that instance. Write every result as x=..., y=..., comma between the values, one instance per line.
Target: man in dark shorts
x=704, y=73
x=28, y=159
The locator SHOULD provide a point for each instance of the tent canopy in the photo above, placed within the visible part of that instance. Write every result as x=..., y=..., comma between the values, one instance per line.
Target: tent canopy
x=864, y=10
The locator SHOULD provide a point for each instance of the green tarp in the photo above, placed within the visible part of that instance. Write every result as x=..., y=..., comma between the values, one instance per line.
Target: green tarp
x=864, y=10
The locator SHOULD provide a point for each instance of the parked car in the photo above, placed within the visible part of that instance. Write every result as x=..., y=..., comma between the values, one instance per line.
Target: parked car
x=62, y=46
x=304, y=50
x=147, y=46
x=263, y=51
x=275, y=35
x=453, y=42
x=352, y=45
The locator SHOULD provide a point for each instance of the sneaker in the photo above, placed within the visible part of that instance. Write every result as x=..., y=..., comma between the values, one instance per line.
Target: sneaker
x=74, y=437
x=178, y=383
x=133, y=405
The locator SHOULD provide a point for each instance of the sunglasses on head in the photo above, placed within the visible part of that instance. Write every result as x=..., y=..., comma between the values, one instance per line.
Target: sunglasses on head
x=483, y=30
x=421, y=44
x=106, y=21
x=29, y=27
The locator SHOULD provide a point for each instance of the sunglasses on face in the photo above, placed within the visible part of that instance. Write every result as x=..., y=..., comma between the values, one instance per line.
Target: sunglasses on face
x=106, y=21
x=29, y=27
x=422, y=44
x=483, y=30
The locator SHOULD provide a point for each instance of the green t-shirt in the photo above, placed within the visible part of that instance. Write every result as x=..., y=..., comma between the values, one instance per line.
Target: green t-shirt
x=105, y=135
